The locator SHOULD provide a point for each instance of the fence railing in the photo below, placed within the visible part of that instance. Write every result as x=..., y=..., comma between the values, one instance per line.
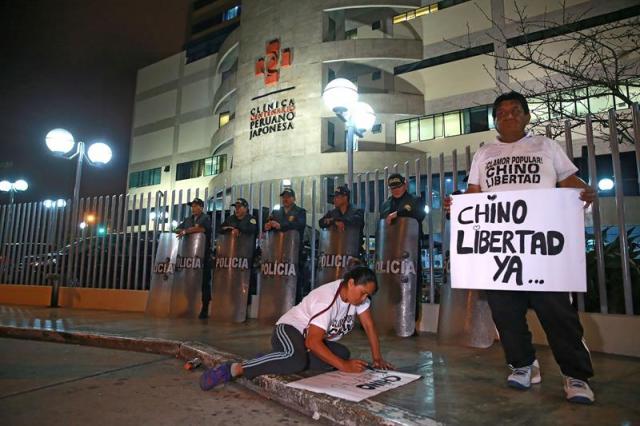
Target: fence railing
x=110, y=241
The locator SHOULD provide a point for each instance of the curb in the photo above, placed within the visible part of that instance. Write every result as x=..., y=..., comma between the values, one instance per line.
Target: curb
x=272, y=387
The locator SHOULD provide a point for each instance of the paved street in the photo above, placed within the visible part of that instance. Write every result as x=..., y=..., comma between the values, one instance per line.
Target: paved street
x=58, y=384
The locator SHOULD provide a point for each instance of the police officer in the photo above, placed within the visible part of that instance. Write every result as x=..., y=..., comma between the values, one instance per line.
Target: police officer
x=344, y=214
x=200, y=222
x=289, y=217
x=241, y=222
x=401, y=203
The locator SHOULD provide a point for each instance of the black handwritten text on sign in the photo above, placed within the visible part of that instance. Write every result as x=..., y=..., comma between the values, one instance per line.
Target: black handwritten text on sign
x=529, y=240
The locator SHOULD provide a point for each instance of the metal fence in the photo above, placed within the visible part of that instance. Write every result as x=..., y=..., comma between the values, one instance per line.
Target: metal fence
x=116, y=244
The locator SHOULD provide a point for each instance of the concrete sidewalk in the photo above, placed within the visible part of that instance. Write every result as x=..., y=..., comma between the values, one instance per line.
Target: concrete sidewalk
x=459, y=385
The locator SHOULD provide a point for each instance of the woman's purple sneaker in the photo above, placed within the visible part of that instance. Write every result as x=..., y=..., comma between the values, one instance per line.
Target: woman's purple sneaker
x=215, y=376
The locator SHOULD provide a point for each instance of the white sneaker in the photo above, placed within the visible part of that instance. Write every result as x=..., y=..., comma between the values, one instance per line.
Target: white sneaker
x=578, y=391
x=523, y=377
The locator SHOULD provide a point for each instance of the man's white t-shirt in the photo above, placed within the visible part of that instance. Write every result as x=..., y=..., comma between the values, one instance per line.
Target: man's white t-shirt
x=336, y=321
x=533, y=162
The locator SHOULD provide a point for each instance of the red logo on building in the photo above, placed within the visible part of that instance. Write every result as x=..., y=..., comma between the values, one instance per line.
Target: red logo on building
x=270, y=64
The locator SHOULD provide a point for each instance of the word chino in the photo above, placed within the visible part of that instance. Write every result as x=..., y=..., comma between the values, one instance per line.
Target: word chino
x=508, y=245
x=521, y=169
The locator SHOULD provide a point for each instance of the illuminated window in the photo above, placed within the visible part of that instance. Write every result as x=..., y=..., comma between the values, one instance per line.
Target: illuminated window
x=144, y=178
x=224, y=118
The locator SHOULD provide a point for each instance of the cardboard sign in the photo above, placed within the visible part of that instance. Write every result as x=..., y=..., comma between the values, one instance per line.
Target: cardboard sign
x=529, y=240
x=354, y=386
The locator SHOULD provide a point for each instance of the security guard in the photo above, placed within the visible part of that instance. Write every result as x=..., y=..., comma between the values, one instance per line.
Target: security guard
x=344, y=214
x=289, y=217
x=200, y=222
x=241, y=222
x=401, y=203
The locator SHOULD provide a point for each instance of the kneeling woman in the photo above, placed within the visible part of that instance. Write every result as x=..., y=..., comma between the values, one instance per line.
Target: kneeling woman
x=306, y=336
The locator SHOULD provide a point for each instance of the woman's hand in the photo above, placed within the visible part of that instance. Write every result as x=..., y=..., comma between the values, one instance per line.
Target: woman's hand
x=353, y=366
x=381, y=364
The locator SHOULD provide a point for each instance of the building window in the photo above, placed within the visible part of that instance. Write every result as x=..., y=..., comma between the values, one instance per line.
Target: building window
x=224, y=118
x=231, y=13
x=209, y=166
x=376, y=75
x=376, y=129
x=145, y=178
x=376, y=25
x=331, y=134
x=351, y=34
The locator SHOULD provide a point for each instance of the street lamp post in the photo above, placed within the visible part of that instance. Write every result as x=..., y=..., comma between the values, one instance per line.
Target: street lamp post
x=341, y=96
x=61, y=143
x=20, y=185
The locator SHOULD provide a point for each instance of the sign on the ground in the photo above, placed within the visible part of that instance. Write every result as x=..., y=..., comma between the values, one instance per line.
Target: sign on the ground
x=354, y=386
x=519, y=240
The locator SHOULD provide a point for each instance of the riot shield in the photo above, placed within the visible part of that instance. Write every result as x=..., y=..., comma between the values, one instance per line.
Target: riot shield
x=231, y=277
x=394, y=305
x=464, y=317
x=162, y=276
x=336, y=249
x=186, y=295
x=278, y=274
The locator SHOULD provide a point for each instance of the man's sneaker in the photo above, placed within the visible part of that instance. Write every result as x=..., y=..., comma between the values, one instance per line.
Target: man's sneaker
x=523, y=377
x=215, y=376
x=578, y=391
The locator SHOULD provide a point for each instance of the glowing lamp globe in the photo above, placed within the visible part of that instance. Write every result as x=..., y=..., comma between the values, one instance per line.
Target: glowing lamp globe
x=60, y=141
x=99, y=153
x=20, y=185
x=362, y=116
x=5, y=186
x=340, y=94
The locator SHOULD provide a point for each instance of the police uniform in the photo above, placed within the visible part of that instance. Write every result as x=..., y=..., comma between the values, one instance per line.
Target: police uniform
x=407, y=205
x=246, y=225
x=352, y=217
x=294, y=219
x=203, y=220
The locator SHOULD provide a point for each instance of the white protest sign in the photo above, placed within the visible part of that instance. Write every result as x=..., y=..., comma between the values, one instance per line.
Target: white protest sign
x=354, y=386
x=530, y=240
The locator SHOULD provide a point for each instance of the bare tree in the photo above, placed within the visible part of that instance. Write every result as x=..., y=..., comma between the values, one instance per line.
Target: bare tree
x=571, y=62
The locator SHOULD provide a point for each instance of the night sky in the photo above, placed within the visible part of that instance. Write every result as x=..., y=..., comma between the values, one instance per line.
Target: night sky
x=72, y=64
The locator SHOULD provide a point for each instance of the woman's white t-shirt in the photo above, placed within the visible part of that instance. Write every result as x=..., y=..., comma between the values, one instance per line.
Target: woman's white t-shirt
x=533, y=162
x=336, y=321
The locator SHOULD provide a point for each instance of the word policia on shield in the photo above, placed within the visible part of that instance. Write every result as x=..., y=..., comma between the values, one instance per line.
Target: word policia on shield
x=519, y=240
x=354, y=387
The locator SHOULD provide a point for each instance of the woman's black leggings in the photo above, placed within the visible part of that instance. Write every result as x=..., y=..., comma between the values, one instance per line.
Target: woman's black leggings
x=290, y=355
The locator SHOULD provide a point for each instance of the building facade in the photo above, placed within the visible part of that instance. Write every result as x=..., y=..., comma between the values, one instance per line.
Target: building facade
x=243, y=103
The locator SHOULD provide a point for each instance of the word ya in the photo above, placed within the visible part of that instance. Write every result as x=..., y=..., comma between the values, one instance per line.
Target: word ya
x=397, y=266
x=278, y=269
x=335, y=260
x=379, y=383
x=232, y=263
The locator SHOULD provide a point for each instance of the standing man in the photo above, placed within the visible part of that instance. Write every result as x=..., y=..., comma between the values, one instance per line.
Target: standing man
x=491, y=172
x=344, y=214
x=241, y=222
x=200, y=222
x=401, y=203
x=289, y=217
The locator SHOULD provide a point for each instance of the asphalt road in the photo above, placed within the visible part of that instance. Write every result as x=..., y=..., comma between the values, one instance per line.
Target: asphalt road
x=60, y=384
